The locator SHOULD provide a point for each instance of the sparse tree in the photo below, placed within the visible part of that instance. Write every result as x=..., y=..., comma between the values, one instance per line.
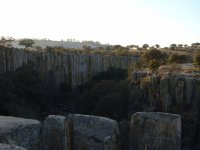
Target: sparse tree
x=195, y=45
x=145, y=46
x=6, y=41
x=180, y=45
x=27, y=42
x=173, y=46
x=153, y=54
x=157, y=46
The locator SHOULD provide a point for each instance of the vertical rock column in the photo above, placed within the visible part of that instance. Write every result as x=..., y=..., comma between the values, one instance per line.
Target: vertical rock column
x=55, y=133
x=155, y=131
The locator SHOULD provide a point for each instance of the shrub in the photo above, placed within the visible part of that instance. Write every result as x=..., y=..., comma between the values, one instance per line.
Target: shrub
x=26, y=42
x=106, y=98
x=153, y=54
x=197, y=60
x=175, y=58
x=154, y=58
x=153, y=65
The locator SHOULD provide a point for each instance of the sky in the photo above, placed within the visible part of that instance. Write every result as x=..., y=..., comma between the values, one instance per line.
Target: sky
x=122, y=22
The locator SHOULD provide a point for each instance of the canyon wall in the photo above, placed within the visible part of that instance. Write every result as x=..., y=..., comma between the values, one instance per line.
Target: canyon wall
x=178, y=93
x=64, y=67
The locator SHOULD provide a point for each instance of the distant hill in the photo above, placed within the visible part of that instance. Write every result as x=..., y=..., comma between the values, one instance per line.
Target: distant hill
x=66, y=44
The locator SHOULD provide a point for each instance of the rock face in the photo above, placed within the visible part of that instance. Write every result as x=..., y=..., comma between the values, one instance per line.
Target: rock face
x=70, y=68
x=22, y=132
x=95, y=133
x=55, y=133
x=10, y=147
x=155, y=131
x=177, y=93
x=138, y=92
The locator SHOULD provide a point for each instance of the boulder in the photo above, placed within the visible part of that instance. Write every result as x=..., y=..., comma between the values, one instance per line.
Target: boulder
x=22, y=132
x=155, y=131
x=10, y=147
x=95, y=133
x=54, y=133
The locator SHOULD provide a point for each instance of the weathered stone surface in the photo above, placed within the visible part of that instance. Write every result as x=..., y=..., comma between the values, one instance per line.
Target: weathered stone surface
x=138, y=92
x=155, y=131
x=62, y=67
x=95, y=133
x=137, y=75
x=174, y=93
x=54, y=133
x=10, y=147
x=22, y=132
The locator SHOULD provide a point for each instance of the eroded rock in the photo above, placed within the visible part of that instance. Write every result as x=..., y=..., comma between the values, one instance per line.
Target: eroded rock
x=22, y=132
x=10, y=147
x=54, y=133
x=95, y=133
x=155, y=131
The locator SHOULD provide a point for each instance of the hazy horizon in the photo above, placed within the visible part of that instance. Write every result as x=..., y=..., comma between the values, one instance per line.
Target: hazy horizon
x=122, y=22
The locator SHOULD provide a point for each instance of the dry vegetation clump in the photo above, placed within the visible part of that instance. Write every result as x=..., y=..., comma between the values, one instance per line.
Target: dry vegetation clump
x=172, y=69
x=175, y=69
x=145, y=82
x=104, y=52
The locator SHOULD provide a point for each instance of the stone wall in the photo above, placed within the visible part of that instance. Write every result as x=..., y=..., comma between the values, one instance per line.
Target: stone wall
x=70, y=68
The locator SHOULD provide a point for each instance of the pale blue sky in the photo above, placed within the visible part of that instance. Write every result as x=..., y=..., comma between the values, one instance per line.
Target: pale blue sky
x=108, y=21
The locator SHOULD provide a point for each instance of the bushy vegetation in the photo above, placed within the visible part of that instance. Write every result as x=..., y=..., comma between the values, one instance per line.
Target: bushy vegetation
x=154, y=58
x=21, y=87
x=154, y=55
x=154, y=64
x=176, y=58
x=27, y=42
x=197, y=60
x=23, y=94
x=107, y=98
x=106, y=95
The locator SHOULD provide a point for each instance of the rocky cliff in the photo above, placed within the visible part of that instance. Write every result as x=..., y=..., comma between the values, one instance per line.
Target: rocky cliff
x=64, y=67
x=173, y=93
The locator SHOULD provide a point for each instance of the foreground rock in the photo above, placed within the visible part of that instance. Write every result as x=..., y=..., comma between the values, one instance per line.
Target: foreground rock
x=155, y=131
x=95, y=133
x=54, y=133
x=22, y=132
x=10, y=147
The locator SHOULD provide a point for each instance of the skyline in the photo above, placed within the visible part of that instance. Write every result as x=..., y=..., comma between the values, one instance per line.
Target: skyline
x=123, y=22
